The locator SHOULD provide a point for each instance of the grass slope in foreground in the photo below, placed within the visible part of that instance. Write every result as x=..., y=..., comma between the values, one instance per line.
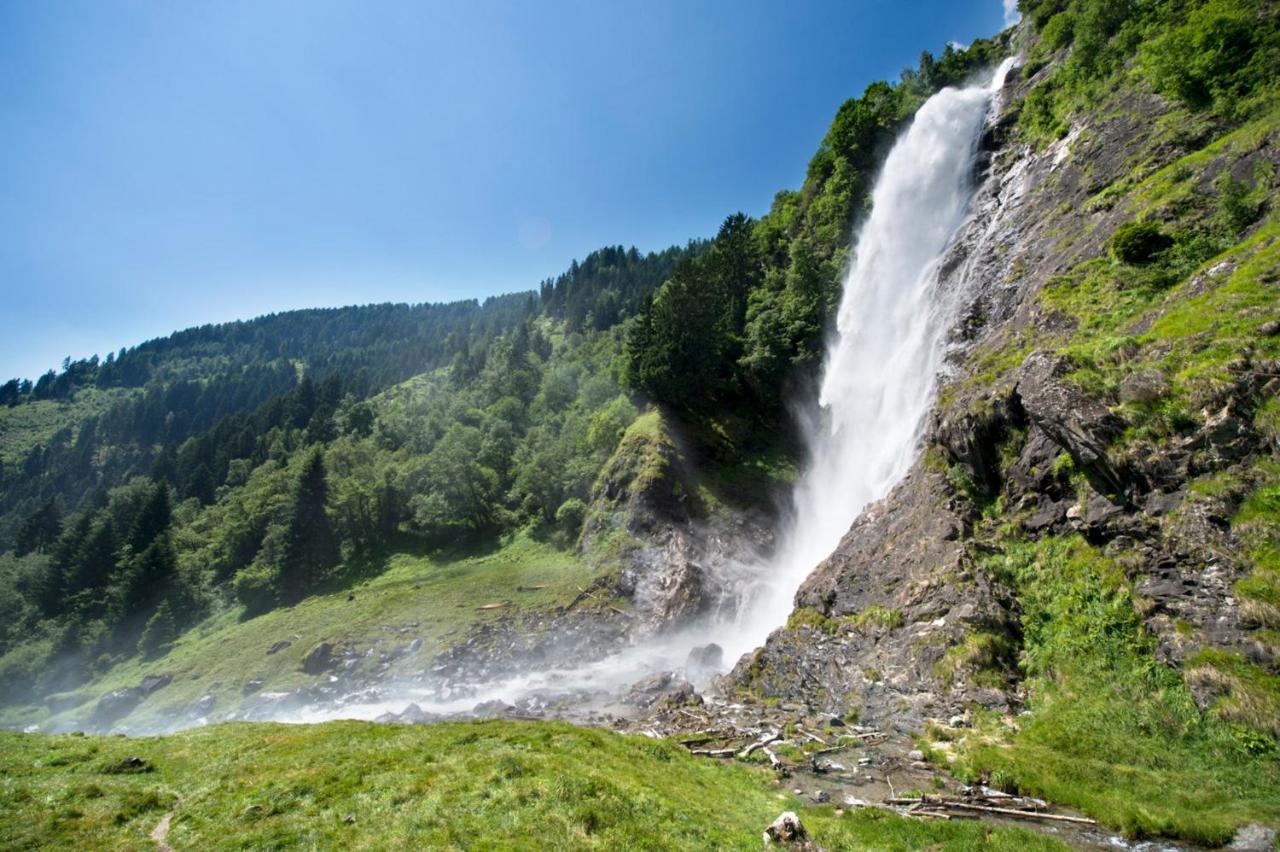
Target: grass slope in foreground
x=482, y=785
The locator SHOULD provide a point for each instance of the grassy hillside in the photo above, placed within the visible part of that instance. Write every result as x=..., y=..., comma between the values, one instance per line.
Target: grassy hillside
x=485, y=785
x=432, y=599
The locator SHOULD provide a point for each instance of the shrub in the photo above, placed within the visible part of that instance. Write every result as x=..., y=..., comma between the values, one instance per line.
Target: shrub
x=257, y=587
x=1139, y=243
x=1058, y=32
x=570, y=515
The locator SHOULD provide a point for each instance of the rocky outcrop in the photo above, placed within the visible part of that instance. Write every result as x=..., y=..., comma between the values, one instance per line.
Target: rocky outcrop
x=677, y=555
x=875, y=622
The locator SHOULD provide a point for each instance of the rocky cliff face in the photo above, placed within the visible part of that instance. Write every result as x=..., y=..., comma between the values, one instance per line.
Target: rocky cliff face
x=1042, y=429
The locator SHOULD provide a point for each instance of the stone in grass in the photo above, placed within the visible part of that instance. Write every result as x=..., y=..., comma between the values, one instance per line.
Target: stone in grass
x=788, y=831
x=153, y=683
x=1144, y=387
x=1270, y=328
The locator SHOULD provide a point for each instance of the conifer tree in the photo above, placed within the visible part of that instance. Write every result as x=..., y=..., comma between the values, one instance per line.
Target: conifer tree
x=160, y=632
x=311, y=547
x=40, y=530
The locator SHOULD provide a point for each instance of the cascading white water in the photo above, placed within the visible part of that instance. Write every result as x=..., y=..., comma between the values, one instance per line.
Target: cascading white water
x=878, y=383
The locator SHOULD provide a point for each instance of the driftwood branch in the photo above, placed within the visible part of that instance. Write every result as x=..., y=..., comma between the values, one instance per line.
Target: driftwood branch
x=746, y=752
x=714, y=752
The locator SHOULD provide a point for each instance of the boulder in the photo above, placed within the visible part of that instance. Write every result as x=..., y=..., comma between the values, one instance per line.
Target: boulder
x=1270, y=328
x=204, y=706
x=116, y=705
x=492, y=709
x=318, y=659
x=152, y=683
x=787, y=830
x=704, y=661
x=252, y=686
x=1144, y=387
x=646, y=691
x=277, y=647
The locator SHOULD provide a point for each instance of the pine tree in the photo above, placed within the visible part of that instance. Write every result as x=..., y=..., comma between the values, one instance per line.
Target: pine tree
x=311, y=547
x=160, y=632
x=152, y=519
x=40, y=530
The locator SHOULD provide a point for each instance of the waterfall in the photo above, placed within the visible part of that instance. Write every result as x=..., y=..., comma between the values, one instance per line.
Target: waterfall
x=882, y=363
x=878, y=385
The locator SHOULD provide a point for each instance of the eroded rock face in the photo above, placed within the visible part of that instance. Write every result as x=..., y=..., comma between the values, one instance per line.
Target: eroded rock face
x=897, y=594
x=677, y=567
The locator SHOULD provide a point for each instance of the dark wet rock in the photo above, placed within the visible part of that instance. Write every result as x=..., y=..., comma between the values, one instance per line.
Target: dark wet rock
x=204, y=706
x=972, y=436
x=252, y=686
x=277, y=647
x=152, y=683
x=319, y=659
x=704, y=661
x=1050, y=514
x=116, y=705
x=129, y=766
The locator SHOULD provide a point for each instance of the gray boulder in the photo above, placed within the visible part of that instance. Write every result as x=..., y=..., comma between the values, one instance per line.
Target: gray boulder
x=318, y=659
x=116, y=705
x=152, y=683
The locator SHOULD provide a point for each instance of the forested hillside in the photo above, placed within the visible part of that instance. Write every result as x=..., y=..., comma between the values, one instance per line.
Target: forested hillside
x=147, y=490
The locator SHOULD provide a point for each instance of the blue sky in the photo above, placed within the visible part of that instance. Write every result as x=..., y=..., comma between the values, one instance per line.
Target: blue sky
x=169, y=164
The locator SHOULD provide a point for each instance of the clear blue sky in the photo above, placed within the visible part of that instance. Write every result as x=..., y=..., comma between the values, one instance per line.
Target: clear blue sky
x=169, y=164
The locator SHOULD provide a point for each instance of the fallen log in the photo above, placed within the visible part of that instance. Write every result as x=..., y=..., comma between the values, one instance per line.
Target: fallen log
x=746, y=752
x=714, y=752
x=1017, y=814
